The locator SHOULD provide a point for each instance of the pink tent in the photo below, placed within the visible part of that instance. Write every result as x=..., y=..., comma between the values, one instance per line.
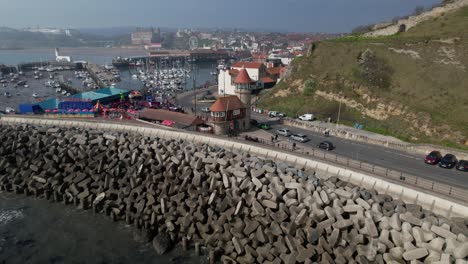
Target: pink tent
x=55, y=110
x=47, y=110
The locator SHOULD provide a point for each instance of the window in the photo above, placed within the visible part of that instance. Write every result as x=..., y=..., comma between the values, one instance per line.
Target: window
x=218, y=114
x=236, y=112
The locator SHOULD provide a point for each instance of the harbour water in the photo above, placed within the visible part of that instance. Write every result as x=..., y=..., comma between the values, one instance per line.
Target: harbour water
x=202, y=71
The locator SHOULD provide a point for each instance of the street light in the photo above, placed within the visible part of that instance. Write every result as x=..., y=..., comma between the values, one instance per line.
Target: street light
x=339, y=112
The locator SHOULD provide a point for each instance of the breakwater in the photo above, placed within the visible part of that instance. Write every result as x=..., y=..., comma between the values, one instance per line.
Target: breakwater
x=241, y=208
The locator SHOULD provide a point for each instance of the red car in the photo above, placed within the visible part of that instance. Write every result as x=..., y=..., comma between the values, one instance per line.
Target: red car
x=433, y=158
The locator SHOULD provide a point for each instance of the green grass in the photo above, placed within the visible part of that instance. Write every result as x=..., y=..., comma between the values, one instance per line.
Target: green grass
x=427, y=89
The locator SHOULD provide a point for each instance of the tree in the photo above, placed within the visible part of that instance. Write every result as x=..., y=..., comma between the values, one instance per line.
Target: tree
x=374, y=70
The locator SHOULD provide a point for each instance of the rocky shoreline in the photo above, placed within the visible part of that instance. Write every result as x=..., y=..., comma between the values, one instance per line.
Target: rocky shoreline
x=241, y=209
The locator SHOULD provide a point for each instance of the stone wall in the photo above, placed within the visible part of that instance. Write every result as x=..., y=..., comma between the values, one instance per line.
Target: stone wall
x=414, y=20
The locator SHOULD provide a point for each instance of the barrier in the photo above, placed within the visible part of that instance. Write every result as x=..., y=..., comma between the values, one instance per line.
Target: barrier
x=442, y=199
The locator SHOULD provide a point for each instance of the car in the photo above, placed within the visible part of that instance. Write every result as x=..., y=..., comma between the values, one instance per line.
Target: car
x=272, y=114
x=462, y=165
x=205, y=109
x=306, y=117
x=300, y=138
x=253, y=122
x=326, y=145
x=448, y=161
x=264, y=126
x=281, y=115
x=433, y=158
x=283, y=132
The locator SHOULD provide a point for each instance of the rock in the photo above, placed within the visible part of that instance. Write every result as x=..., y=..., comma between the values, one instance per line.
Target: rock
x=142, y=235
x=461, y=251
x=414, y=254
x=442, y=232
x=162, y=243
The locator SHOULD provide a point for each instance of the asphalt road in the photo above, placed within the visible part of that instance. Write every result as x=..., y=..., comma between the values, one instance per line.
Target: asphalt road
x=372, y=154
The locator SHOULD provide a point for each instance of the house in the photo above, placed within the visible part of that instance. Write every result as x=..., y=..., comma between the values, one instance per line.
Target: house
x=232, y=113
x=256, y=71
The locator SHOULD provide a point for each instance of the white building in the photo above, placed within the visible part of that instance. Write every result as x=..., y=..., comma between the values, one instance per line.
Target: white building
x=60, y=58
x=256, y=71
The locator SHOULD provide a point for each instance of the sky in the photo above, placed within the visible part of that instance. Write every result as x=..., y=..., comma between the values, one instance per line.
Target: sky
x=331, y=16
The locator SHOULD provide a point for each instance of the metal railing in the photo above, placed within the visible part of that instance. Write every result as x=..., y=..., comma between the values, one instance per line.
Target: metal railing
x=385, y=173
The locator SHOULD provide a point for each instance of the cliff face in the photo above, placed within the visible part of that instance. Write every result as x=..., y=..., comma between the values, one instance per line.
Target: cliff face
x=413, y=85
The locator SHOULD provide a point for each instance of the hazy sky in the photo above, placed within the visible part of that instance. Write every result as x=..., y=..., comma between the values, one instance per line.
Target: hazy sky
x=291, y=15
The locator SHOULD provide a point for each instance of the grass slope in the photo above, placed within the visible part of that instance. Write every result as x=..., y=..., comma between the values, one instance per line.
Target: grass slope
x=427, y=96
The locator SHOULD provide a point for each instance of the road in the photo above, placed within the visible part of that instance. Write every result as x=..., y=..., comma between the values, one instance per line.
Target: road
x=380, y=156
x=372, y=154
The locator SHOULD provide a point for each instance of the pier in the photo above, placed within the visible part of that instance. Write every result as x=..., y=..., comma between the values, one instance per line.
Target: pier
x=198, y=55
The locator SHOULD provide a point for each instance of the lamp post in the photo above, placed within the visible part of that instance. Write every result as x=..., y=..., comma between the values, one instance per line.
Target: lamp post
x=339, y=112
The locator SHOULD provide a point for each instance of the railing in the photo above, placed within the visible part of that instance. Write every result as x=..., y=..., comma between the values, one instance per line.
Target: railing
x=388, y=174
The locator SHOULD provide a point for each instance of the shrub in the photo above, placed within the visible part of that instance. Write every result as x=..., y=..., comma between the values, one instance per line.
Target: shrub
x=374, y=70
x=309, y=87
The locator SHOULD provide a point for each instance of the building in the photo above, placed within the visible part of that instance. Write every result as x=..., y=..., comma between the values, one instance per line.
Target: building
x=60, y=58
x=173, y=119
x=232, y=113
x=146, y=36
x=257, y=72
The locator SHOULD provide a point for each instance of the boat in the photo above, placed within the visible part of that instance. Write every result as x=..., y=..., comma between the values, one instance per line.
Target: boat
x=35, y=95
x=26, y=86
x=9, y=110
x=7, y=94
x=64, y=92
x=58, y=90
x=120, y=62
x=51, y=76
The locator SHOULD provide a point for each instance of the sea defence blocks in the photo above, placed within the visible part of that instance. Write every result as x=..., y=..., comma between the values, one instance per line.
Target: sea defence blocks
x=238, y=207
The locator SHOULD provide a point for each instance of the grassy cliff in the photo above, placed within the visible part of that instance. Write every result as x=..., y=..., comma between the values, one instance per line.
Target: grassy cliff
x=413, y=85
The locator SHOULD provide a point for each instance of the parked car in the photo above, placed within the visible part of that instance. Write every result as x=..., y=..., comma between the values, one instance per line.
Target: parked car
x=433, y=158
x=448, y=161
x=300, y=138
x=462, y=165
x=264, y=126
x=272, y=114
x=283, y=132
x=253, y=122
x=205, y=109
x=326, y=145
x=281, y=115
x=306, y=117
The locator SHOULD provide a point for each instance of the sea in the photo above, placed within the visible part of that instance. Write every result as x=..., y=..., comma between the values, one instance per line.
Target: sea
x=37, y=231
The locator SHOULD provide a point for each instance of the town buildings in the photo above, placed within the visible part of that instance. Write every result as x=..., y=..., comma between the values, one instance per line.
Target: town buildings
x=148, y=37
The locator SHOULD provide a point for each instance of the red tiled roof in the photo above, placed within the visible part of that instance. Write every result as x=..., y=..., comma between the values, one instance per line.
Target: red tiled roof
x=274, y=70
x=227, y=103
x=267, y=80
x=243, y=77
x=233, y=72
x=249, y=65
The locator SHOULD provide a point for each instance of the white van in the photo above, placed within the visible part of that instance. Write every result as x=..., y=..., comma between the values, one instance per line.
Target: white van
x=306, y=117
